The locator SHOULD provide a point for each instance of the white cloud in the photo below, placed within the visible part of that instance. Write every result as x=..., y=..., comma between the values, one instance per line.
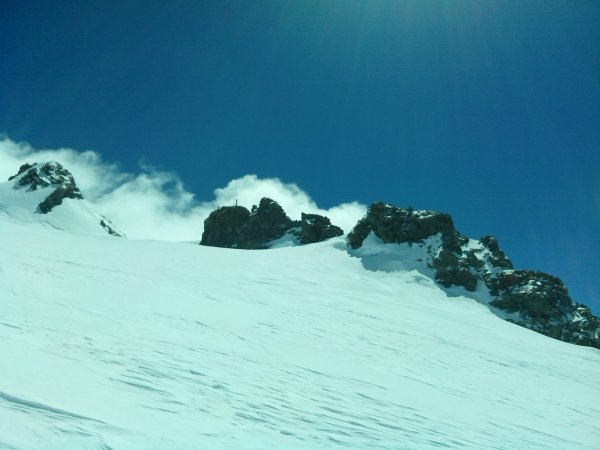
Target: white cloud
x=93, y=175
x=155, y=204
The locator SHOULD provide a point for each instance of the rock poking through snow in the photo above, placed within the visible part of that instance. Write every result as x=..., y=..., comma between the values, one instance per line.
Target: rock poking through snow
x=236, y=227
x=531, y=299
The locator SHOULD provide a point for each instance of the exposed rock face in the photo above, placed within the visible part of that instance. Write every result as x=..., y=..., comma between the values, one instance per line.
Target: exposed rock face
x=316, y=228
x=224, y=226
x=404, y=225
x=266, y=223
x=534, y=300
x=399, y=225
x=50, y=174
x=542, y=303
x=236, y=227
x=109, y=227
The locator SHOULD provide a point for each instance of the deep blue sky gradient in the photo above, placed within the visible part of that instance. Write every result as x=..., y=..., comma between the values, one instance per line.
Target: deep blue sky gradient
x=487, y=110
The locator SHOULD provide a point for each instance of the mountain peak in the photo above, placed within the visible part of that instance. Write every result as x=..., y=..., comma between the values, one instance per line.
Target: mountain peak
x=47, y=175
x=47, y=193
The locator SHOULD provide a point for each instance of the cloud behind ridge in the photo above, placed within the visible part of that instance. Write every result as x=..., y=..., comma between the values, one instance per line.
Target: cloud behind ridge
x=154, y=204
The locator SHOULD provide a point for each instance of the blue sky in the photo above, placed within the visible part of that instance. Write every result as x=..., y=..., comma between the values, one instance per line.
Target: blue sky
x=487, y=110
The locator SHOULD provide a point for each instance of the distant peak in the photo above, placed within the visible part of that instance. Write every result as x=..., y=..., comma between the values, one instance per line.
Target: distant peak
x=47, y=175
x=37, y=191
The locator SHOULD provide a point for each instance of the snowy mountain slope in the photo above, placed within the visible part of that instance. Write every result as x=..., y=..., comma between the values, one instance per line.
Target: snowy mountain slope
x=119, y=344
x=25, y=198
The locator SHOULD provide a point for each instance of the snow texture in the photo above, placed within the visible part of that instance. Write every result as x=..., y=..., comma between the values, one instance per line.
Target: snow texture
x=121, y=344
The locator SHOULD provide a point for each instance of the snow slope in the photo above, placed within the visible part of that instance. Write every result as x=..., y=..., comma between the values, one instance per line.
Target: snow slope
x=119, y=344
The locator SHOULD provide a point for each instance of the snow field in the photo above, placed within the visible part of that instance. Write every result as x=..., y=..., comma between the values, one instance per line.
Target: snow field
x=117, y=344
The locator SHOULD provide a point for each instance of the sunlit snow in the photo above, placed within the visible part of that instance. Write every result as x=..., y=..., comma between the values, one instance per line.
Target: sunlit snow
x=110, y=343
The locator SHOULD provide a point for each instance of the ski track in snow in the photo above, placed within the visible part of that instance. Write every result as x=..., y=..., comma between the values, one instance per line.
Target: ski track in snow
x=116, y=344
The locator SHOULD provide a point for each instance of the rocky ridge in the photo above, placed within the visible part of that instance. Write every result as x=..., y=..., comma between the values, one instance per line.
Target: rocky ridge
x=237, y=227
x=531, y=299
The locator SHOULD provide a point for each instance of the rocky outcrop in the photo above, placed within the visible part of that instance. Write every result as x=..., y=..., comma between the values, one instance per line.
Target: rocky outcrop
x=267, y=222
x=236, y=227
x=225, y=226
x=52, y=174
x=315, y=228
x=534, y=300
x=399, y=225
x=109, y=227
x=405, y=225
x=541, y=302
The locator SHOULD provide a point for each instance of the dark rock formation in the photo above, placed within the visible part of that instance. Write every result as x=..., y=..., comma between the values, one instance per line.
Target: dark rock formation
x=266, y=223
x=22, y=169
x=317, y=228
x=57, y=197
x=496, y=257
x=52, y=174
x=236, y=227
x=399, y=225
x=404, y=225
x=109, y=228
x=541, y=302
x=534, y=300
x=224, y=226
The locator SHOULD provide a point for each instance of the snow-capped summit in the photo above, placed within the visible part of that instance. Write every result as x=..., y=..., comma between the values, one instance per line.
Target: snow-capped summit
x=46, y=193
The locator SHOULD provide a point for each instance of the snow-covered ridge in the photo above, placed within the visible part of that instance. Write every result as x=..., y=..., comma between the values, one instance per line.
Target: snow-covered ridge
x=120, y=344
x=47, y=194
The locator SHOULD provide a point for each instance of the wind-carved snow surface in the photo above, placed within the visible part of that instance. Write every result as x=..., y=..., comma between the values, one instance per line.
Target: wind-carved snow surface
x=119, y=344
